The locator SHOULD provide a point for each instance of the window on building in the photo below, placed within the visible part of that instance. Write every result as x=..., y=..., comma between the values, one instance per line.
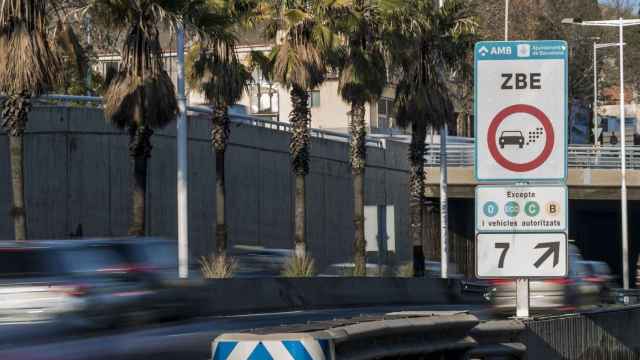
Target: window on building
x=386, y=117
x=263, y=94
x=314, y=99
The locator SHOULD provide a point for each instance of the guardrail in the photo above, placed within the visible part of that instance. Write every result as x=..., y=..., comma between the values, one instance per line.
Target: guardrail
x=234, y=117
x=282, y=126
x=579, y=156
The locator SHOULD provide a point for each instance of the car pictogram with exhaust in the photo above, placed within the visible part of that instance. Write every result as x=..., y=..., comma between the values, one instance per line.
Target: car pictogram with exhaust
x=511, y=137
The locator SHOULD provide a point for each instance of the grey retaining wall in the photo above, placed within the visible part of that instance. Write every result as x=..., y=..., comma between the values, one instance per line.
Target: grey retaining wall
x=77, y=174
x=228, y=296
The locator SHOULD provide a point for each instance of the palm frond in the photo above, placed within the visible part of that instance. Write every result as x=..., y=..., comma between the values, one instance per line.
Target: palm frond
x=218, y=74
x=69, y=46
x=27, y=62
x=148, y=100
x=427, y=46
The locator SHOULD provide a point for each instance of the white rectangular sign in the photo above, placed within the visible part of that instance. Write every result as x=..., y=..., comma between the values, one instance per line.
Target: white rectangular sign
x=521, y=110
x=521, y=255
x=518, y=208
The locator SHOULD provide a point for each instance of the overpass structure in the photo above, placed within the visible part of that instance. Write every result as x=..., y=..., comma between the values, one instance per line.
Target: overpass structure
x=594, y=172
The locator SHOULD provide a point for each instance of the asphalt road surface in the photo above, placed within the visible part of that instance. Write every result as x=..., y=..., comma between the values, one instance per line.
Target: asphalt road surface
x=190, y=340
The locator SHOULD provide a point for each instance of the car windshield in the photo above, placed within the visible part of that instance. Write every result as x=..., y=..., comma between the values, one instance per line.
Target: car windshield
x=159, y=254
x=511, y=133
x=27, y=263
x=90, y=259
x=602, y=268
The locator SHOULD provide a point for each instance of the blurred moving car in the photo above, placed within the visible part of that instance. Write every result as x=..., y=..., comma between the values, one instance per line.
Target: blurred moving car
x=151, y=263
x=150, y=259
x=258, y=261
x=347, y=269
x=62, y=280
x=568, y=293
x=600, y=274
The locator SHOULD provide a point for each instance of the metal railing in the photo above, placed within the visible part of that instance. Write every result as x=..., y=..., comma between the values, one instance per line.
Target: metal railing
x=282, y=126
x=234, y=117
x=579, y=156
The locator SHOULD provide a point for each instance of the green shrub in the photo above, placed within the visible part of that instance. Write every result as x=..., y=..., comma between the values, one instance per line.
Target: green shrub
x=299, y=267
x=217, y=266
x=405, y=270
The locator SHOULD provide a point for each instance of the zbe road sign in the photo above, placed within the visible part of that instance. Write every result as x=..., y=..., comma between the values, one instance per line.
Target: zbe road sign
x=516, y=208
x=521, y=255
x=521, y=110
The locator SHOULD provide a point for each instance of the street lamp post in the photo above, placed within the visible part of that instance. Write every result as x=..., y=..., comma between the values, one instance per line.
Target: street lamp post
x=182, y=147
x=506, y=20
x=620, y=24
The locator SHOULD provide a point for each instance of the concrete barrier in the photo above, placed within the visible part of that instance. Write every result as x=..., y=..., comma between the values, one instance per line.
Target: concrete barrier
x=389, y=338
x=281, y=346
x=600, y=334
x=236, y=296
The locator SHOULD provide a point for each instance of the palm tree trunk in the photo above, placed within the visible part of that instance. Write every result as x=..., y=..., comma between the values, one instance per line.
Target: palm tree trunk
x=14, y=120
x=219, y=137
x=299, y=151
x=140, y=152
x=358, y=154
x=416, y=195
x=17, y=186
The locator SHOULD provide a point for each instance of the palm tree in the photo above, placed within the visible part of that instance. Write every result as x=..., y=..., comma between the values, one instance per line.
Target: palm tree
x=28, y=67
x=216, y=71
x=141, y=97
x=303, y=36
x=360, y=60
x=427, y=46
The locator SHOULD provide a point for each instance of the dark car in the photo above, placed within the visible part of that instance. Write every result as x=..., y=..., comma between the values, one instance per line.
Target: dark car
x=600, y=274
x=511, y=137
x=62, y=281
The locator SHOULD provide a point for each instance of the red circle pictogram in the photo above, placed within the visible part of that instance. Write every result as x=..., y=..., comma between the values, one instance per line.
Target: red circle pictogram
x=549, y=136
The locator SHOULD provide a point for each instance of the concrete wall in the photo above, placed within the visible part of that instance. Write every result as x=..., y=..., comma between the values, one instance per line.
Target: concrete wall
x=77, y=174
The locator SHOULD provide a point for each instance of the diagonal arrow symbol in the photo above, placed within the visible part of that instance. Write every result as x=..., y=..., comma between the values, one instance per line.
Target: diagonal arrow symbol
x=552, y=248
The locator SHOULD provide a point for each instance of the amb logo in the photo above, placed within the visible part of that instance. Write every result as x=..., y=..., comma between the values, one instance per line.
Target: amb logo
x=495, y=50
x=501, y=50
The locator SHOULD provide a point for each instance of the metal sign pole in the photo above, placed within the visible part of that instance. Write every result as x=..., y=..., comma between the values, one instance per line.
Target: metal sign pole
x=595, y=97
x=623, y=171
x=522, y=298
x=444, y=208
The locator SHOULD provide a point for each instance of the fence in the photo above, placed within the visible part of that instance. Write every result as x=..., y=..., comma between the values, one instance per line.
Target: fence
x=234, y=117
x=579, y=156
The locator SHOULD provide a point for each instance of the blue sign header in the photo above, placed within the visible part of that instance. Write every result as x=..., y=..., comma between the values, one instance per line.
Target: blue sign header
x=521, y=50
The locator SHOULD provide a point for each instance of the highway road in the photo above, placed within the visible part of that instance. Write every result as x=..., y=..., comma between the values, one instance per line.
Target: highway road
x=172, y=341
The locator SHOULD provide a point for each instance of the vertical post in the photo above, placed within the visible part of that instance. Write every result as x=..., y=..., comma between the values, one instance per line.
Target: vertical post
x=595, y=97
x=623, y=170
x=522, y=298
x=88, y=74
x=444, y=208
x=444, y=216
x=506, y=20
x=181, y=137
